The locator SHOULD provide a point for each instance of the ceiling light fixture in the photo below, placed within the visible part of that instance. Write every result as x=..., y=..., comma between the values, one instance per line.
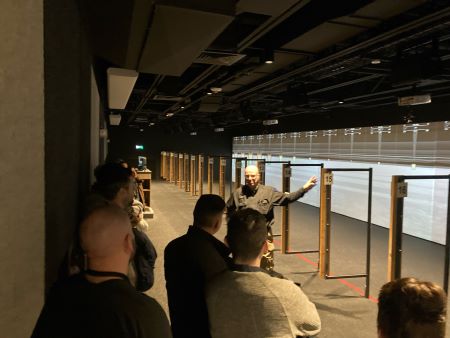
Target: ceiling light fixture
x=218, y=130
x=216, y=90
x=270, y=122
x=151, y=124
x=375, y=61
x=193, y=133
x=341, y=102
x=208, y=93
x=182, y=107
x=169, y=114
x=268, y=56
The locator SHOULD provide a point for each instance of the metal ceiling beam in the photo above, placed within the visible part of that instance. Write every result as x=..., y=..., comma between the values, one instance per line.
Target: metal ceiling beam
x=149, y=93
x=375, y=42
x=263, y=29
x=344, y=84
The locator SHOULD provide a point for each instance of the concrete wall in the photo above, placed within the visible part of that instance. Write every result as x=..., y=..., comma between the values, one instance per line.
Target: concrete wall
x=22, y=225
x=67, y=127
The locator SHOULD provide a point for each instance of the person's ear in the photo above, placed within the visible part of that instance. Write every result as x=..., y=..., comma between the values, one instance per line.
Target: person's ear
x=265, y=247
x=129, y=244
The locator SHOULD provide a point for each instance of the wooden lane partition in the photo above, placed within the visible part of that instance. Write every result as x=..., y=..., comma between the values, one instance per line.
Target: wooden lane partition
x=261, y=164
x=210, y=174
x=200, y=174
x=326, y=179
x=237, y=173
x=186, y=173
x=399, y=191
x=162, y=164
x=285, y=187
x=223, y=162
x=175, y=168
x=222, y=172
x=284, y=209
x=167, y=166
x=193, y=178
x=325, y=226
x=285, y=225
x=171, y=168
x=180, y=170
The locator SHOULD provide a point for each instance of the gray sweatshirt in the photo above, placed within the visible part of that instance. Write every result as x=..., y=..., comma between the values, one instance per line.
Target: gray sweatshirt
x=254, y=304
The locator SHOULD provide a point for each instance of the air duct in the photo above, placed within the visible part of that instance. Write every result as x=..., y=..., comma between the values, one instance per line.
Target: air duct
x=120, y=84
x=114, y=119
x=177, y=36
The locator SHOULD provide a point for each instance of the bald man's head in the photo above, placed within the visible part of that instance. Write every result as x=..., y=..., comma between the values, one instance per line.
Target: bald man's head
x=252, y=176
x=106, y=233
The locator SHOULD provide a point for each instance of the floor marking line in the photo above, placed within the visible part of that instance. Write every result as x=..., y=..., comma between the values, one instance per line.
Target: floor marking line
x=341, y=280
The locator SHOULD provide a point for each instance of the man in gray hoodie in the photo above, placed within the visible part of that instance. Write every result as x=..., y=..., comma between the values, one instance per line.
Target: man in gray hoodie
x=248, y=301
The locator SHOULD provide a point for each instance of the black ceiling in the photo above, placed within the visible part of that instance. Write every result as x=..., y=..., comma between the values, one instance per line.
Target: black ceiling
x=336, y=63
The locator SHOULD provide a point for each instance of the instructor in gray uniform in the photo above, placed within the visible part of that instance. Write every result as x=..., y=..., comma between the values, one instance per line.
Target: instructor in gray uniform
x=263, y=198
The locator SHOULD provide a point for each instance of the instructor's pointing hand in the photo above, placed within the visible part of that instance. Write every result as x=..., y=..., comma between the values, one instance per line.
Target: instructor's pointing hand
x=310, y=183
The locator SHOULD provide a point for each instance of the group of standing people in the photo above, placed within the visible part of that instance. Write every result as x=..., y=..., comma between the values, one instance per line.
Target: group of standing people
x=214, y=288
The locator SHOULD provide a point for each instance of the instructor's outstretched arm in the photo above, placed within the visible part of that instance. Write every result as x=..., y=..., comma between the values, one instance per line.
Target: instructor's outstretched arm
x=282, y=198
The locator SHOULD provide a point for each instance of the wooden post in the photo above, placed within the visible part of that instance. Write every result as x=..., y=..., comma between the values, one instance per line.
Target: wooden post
x=171, y=172
x=326, y=180
x=210, y=174
x=180, y=170
x=186, y=172
x=262, y=171
x=237, y=174
x=395, y=229
x=222, y=170
x=193, y=183
x=175, y=168
x=200, y=174
x=161, y=168
x=286, y=187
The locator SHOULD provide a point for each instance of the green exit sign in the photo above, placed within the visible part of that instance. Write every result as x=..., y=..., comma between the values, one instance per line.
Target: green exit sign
x=139, y=147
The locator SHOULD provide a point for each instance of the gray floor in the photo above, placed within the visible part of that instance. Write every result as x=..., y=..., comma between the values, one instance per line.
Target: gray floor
x=343, y=311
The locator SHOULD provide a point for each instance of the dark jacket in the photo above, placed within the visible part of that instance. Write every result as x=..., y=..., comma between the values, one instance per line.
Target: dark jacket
x=262, y=199
x=144, y=261
x=189, y=262
x=111, y=309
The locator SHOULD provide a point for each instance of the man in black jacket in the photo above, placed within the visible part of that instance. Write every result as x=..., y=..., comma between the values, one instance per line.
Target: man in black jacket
x=190, y=261
x=100, y=301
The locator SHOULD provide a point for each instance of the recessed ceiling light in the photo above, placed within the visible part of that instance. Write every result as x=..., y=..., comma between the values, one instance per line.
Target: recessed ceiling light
x=169, y=114
x=268, y=56
x=375, y=61
x=182, y=107
x=208, y=93
x=341, y=102
x=216, y=90
x=151, y=124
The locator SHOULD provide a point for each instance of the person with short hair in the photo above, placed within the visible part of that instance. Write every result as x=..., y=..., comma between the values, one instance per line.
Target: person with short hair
x=263, y=198
x=116, y=184
x=248, y=301
x=189, y=262
x=410, y=308
x=100, y=301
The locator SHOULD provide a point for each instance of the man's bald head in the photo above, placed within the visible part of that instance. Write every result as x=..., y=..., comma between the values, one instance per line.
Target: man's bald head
x=105, y=232
x=252, y=176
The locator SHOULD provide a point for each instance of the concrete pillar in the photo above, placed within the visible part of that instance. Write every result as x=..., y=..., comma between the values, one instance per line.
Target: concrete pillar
x=22, y=216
